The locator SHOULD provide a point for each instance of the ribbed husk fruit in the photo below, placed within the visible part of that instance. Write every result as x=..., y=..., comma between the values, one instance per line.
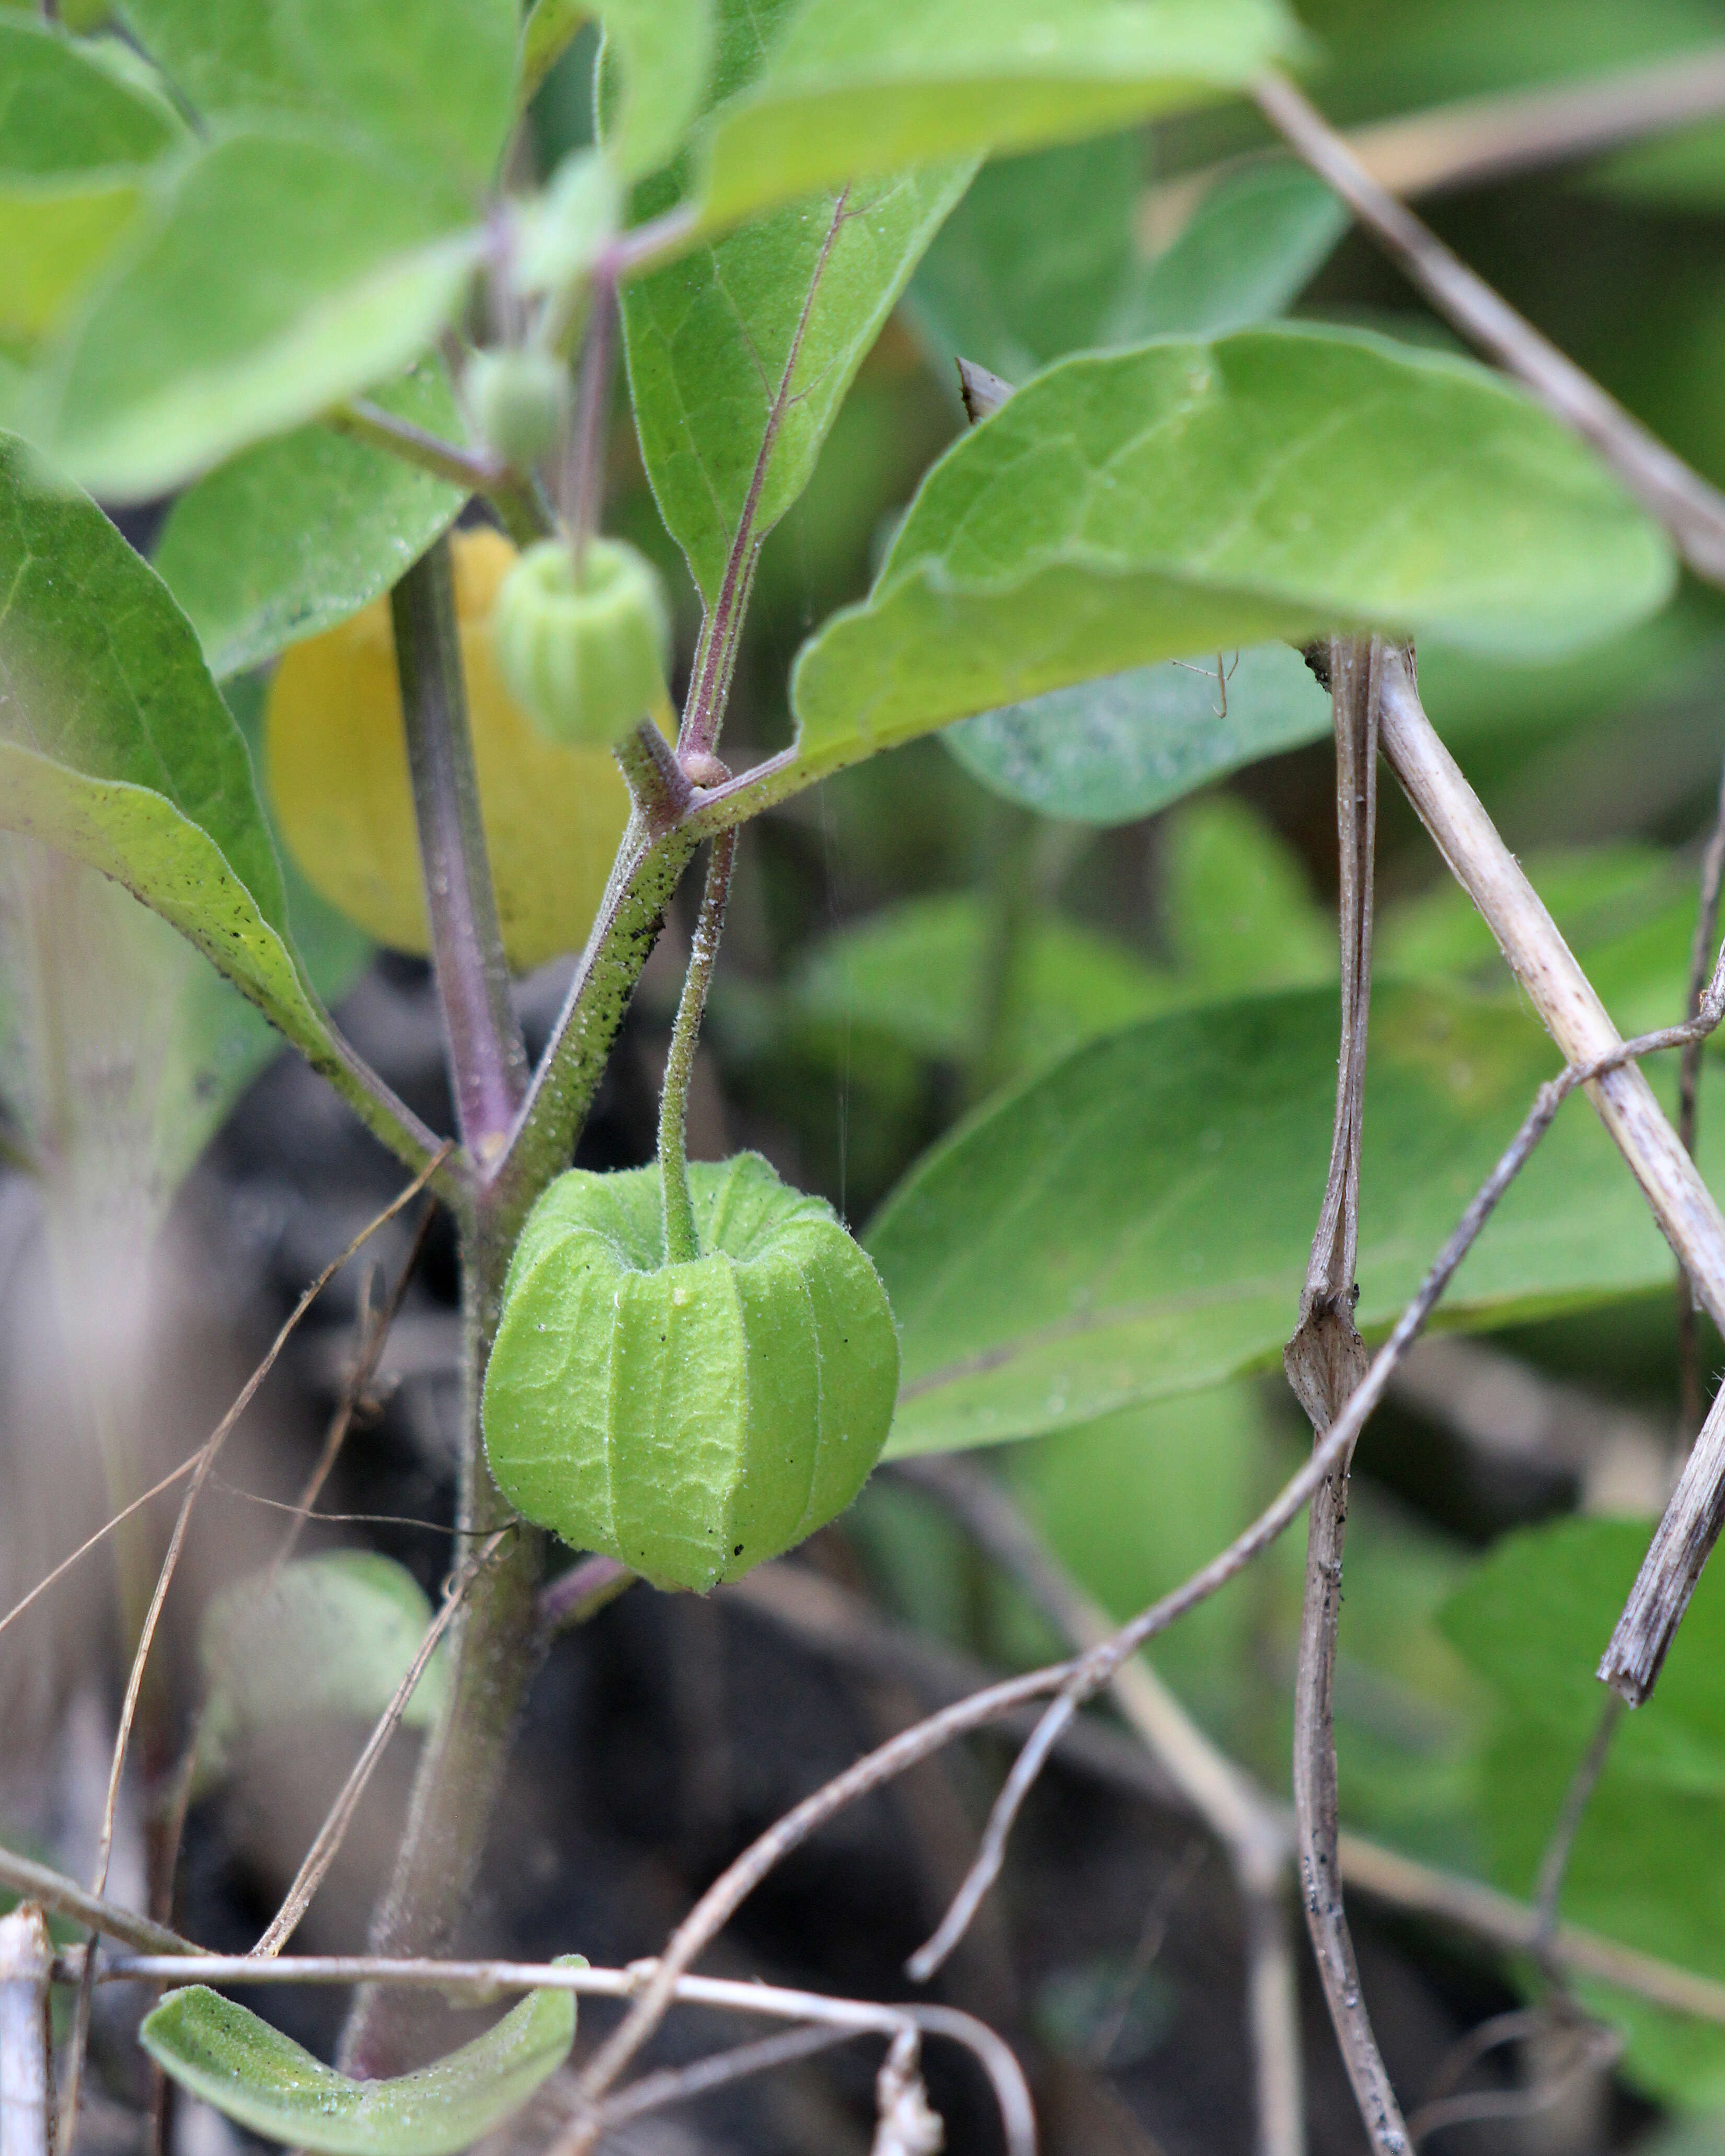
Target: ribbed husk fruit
x=585, y=661
x=337, y=760
x=688, y=1419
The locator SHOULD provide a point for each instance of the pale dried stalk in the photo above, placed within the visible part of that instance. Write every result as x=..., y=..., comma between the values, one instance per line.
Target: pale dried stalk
x=828, y=1619
x=1476, y=140
x=1701, y=958
x=26, y=2052
x=1564, y=998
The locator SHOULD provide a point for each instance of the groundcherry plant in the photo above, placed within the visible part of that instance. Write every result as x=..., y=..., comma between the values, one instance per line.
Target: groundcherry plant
x=291, y=267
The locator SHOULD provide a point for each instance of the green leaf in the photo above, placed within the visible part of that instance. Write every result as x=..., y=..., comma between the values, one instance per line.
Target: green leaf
x=1646, y=1867
x=1127, y=508
x=1134, y=1503
x=1240, y=915
x=1249, y=249
x=62, y=110
x=116, y=746
x=1032, y=263
x=740, y=354
x=74, y=140
x=666, y=51
x=329, y=1635
x=1135, y=1223
x=1534, y=1618
x=294, y=536
x=918, y=971
x=853, y=89
x=1040, y=258
x=256, y=2075
x=53, y=237
x=1112, y=751
x=1626, y=910
x=433, y=84
x=276, y=275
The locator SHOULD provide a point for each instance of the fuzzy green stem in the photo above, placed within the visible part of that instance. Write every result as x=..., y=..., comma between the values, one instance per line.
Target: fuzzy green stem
x=681, y=1243
x=521, y=508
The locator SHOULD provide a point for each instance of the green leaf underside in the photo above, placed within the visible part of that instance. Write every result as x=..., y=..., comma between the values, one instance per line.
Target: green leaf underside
x=133, y=834
x=1110, y=751
x=709, y=339
x=854, y=88
x=263, y=2081
x=277, y=275
x=329, y=1635
x=116, y=747
x=1041, y=259
x=1132, y=508
x=62, y=111
x=296, y=535
x=1135, y=1223
x=1646, y=1866
x=692, y=1419
x=433, y=83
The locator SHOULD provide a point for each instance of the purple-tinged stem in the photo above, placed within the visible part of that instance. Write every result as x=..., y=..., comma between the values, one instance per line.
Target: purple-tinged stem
x=488, y=1063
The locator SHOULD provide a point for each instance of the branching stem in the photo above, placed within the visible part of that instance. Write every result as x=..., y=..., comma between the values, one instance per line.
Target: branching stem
x=521, y=507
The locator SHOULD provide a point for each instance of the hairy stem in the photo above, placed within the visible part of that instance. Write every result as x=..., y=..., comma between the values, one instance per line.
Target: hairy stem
x=488, y=1065
x=682, y=1245
x=521, y=508
x=493, y=1645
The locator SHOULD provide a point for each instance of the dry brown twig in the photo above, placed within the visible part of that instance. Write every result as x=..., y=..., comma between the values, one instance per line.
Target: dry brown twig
x=1578, y=1022
x=1324, y=1362
x=1700, y=959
